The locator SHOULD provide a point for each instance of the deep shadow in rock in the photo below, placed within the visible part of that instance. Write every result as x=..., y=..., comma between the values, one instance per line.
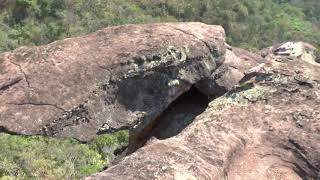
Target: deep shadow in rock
x=173, y=120
x=180, y=114
x=6, y=131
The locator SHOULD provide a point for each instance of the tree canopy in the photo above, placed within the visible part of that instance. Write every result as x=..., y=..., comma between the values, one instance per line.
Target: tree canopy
x=251, y=24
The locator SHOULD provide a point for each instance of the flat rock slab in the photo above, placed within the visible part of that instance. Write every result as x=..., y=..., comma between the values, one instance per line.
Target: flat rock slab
x=118, y=77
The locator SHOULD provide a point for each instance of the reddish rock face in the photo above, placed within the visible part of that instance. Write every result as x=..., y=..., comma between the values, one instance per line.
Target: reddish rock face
x=118, y=77
x=269, y=129
x=227, y=76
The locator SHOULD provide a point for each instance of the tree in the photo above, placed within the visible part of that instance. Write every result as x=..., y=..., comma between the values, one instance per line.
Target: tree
x=252, y=24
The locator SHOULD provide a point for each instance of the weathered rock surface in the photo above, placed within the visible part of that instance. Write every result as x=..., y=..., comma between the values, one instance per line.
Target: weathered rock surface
x=293, y=49
x=227, y=76
x=268, y=128
x=118, y=77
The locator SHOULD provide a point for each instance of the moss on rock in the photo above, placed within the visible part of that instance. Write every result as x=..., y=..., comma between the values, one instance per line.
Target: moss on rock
x=240, y=98
x=38, y=157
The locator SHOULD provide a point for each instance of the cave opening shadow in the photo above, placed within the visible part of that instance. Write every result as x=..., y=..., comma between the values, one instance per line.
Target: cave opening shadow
x=180, y=114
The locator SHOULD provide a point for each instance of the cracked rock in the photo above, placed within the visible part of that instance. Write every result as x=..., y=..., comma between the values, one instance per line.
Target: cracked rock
x=123, y=76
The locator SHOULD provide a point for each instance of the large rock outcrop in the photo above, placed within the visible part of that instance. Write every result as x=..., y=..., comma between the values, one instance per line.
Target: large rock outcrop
x=267, y=127
x=118, y=77
x=263, y=119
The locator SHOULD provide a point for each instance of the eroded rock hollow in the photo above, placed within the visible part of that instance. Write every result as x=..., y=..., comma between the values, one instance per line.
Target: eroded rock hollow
x=172, y=121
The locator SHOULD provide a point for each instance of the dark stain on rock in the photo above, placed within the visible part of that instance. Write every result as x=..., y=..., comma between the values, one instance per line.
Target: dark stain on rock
x=76, y=116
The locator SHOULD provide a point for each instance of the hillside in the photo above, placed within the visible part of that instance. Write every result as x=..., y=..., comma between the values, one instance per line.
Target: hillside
x=310, y=9
x=251, y=24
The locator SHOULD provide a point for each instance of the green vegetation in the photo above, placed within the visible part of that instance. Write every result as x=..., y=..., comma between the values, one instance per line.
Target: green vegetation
x=106, y=144
x=317, y=55
x=310, y=9
x=37, y=157
x=251, y=24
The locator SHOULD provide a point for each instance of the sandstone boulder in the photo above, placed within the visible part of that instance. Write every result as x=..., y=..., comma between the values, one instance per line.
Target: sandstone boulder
x=268, y=130
x=119, y=77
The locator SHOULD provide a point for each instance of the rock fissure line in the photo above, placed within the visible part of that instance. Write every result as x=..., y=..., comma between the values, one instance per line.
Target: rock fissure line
x=193, y=35
x=10, y=83
x=300, y=153
x=24, y=74
x=38, y=104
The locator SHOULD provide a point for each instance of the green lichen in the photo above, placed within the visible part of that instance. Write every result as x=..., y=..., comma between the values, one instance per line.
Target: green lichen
x=171, y=53
x=38, y=157
x=221, y=103
x=254, y=94
x=240, y=98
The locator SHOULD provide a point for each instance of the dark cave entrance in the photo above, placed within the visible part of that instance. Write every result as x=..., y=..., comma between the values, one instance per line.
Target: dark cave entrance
x=172, y=121
x=180, y=114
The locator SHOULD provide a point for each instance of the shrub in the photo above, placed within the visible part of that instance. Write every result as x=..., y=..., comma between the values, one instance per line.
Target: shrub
x=38, y=157
x=106, y=144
